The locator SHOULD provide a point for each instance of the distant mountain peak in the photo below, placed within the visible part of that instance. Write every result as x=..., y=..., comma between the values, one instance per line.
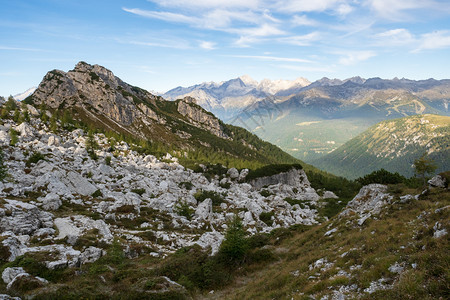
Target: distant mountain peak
x=248, y=80
x=22, y=96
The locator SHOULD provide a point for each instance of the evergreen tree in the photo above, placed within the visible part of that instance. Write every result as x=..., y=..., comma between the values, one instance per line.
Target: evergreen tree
x=14, y=135
x=3, y=170
x=235, y=246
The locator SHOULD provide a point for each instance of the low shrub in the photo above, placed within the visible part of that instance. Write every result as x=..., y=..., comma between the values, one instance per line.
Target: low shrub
x=140, y=192
x=266, y=217
x=182, y=208
x=270, y=170
x=216, y=197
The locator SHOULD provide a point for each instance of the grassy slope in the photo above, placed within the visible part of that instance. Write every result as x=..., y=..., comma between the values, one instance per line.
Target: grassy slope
x=403, y=233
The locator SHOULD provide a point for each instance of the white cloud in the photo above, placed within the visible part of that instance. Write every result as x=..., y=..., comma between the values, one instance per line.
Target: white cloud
x=221, y=18
x=395, y=9
x=263, y=30
x=274, y=58
x=351, y=58
x=307, y=5
x=255, y=34
x=303, y=20
x=19, y=49
x=434, y=40
x=395, y=37
x=175, y=44
x=165, y=16
x=344, y=9
x=301, y=40
x=207, y=45
x=208, y=3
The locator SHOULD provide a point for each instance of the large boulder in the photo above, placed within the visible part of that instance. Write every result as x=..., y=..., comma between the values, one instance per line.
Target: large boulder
x=369, y=201
x=78, y=184
x=211, y=239
x=24, y=218
x=438, y=181
x=204, y=210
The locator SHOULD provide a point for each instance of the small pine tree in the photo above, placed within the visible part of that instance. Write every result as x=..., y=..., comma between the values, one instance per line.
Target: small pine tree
x=3, y=170
x=91, y=145
x=25, y=113
x=66, y=120
x=16, y=116
x=14, y=135
x=53, y=123
x=423, y=166
x=235, y=246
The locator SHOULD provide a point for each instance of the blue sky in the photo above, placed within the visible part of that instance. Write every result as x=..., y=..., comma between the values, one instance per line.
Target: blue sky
x=161, y=44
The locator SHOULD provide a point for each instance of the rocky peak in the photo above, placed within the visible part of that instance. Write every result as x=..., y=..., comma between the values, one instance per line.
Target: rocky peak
x=200, y=117
x=94, y=92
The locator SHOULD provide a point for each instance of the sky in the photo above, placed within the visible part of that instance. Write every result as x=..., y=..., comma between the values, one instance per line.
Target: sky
x=162, y=44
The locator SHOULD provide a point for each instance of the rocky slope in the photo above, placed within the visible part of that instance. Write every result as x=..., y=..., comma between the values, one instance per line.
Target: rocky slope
x=393, y=145
x=60, y=204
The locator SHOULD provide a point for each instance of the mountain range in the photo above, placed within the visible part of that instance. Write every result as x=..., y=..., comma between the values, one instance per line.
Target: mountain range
x=225, y=99
x=313, y=120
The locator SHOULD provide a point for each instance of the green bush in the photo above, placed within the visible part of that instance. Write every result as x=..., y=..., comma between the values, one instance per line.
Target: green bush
x=108, y=160
x=270, y=170
x=140, y=192
x=216, y=198
x=34, y=158
x=96, y=194
x=381, y=176
x=186, y=184
x=266, y=217
x=182, y=208
x=265, y=193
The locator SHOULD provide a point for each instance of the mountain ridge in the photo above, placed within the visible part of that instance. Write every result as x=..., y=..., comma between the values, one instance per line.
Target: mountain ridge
x=392, y=145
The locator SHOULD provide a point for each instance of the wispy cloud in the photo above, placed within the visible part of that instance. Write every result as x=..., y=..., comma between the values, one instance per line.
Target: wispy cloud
x=273, y=58
x=209, y=3
x=303, y=20
x=301, y=40
x=175, y=44
x=395, y=37
x=207, y=45
x=307, y=5
x=20, y=49
x=165, y=16
x=434, y=40
x=351, y=58
x=397, y=10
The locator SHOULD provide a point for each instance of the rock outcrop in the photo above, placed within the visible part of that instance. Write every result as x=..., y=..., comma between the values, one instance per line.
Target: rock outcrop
x=369, y=201
x=199, y=117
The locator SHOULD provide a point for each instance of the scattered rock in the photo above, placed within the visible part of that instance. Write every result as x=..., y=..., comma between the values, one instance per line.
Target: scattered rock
x=438, y=181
